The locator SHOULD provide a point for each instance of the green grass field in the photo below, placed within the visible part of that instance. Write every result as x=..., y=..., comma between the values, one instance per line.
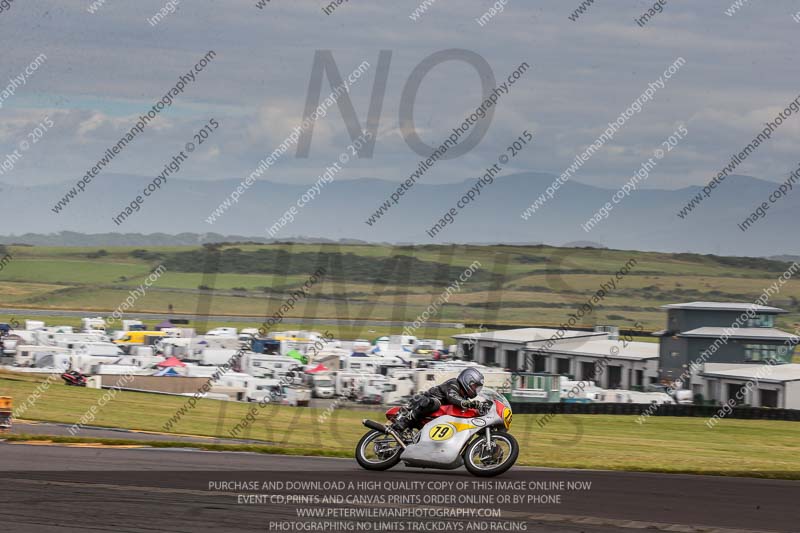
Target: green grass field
x=522, y=285
x=662, y=444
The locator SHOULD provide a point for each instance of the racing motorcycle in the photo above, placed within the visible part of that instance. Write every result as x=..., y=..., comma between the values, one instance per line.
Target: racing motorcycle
x=476, y=438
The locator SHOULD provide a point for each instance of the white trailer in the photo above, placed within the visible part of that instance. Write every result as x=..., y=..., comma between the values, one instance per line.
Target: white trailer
x=348, y=384
x=223, y=332
x=32, y=325
x=400, y=387
x=372, y=365
x=268, y=366
x=296, y=396
x=27, y=354
x=68, y=340
x=627, y=396
x=210, y=356
x=91, y=325
x=96, y=349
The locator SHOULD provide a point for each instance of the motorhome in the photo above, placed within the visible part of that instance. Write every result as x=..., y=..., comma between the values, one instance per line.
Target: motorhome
x=267, y=366
x=222, y=332
x=27, y=354
x=180, y=347
x=178, y=332
x=48, y=337
x=274, y=391
x=322, y=386
x=217, y=342
x=211, y=356
x=133, y=325
x=442, y=371
x=373, y=389
x=32, y=325
x=296, y=396
x=402, y=342
x=372, y=365
x=578, y=391
x=59, y=361
x=241, y=386
x=266, y=391
x=627, y=396
x=91, y=325
x=117, y=369
x=96, y=349
x=425, y=346
x=400, y=387
x=268, y=346
x=362, y=346
x=142, y=357
x=348, y=384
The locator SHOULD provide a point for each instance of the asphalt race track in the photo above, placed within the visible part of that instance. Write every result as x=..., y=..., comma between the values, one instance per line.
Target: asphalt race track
x=58, y=488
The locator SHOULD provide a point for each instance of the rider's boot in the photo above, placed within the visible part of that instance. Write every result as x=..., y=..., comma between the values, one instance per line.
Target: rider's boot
x=404, y=420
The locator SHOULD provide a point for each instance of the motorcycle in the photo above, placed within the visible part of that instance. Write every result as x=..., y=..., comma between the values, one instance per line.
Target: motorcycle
x=476, y=438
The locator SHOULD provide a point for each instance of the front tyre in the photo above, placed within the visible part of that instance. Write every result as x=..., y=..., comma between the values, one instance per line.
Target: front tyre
x=484, y=461
x=378, y=451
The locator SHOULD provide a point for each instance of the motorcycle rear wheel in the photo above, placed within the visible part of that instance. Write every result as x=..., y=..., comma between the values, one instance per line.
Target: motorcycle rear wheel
x=378, y=451
x=482, y=462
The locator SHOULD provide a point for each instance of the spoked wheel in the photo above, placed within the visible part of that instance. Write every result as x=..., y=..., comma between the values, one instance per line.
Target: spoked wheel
x=378, y=451
x=486, y=460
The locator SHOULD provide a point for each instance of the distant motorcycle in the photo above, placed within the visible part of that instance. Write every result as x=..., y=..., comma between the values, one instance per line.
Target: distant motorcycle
x=447, y=439
x=74, y=378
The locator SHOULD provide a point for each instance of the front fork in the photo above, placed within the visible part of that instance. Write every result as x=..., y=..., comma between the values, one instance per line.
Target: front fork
x=489, y=443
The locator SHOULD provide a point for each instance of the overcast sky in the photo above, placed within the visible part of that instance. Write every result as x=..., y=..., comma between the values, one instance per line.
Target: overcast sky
x=106, y=68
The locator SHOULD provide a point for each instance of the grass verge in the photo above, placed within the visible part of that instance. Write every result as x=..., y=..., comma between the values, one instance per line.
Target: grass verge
x=755, y=448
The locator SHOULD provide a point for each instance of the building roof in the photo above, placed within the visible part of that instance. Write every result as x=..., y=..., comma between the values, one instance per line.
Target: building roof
x=525, y=335
x=613, y=349
x=725, y=306
x=741, y=333
x=752, y=372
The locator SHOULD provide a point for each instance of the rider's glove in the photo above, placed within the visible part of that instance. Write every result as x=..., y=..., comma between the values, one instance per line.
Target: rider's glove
x=474, y=402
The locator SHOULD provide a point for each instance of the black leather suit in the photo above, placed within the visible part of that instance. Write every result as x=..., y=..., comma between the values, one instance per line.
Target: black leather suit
x=431, y=400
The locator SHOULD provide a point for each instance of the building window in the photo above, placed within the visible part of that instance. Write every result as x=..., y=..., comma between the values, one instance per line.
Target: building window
x=761, y=321
x=562, y=366
x=489, y=356
x=512, y=360
x=467, y=350
x=768, y=352
x=768, y=398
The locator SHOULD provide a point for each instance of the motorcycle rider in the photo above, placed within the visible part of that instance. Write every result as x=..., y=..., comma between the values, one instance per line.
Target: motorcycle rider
x=460, y=391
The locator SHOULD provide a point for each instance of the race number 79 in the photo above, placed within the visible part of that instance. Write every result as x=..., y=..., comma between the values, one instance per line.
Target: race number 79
x=441, y=432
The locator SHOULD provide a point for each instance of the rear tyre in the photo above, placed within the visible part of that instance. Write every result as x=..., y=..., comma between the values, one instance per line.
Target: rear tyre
x=482, y=461
x=378, y=451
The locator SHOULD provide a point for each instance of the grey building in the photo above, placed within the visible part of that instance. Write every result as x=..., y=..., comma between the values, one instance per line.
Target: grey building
x=713, y=332
x=512, y=347
x=581, y=355
x=754, y=385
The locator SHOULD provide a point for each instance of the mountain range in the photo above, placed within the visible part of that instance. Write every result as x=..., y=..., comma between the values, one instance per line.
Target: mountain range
x=646, y=220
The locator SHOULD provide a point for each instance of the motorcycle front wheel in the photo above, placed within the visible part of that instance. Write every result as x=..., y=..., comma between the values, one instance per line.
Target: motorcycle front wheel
x=487, y=461
x=378, y=451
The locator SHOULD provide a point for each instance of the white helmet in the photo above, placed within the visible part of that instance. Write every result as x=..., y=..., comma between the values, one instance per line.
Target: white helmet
x=471, y=381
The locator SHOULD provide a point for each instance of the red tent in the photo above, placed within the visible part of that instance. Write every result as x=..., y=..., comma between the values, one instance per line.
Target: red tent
x=171, y=361
x=319, y=368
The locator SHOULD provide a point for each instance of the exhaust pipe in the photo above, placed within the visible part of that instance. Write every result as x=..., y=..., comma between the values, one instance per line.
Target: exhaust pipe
x=384, y=429
x=374, y=425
